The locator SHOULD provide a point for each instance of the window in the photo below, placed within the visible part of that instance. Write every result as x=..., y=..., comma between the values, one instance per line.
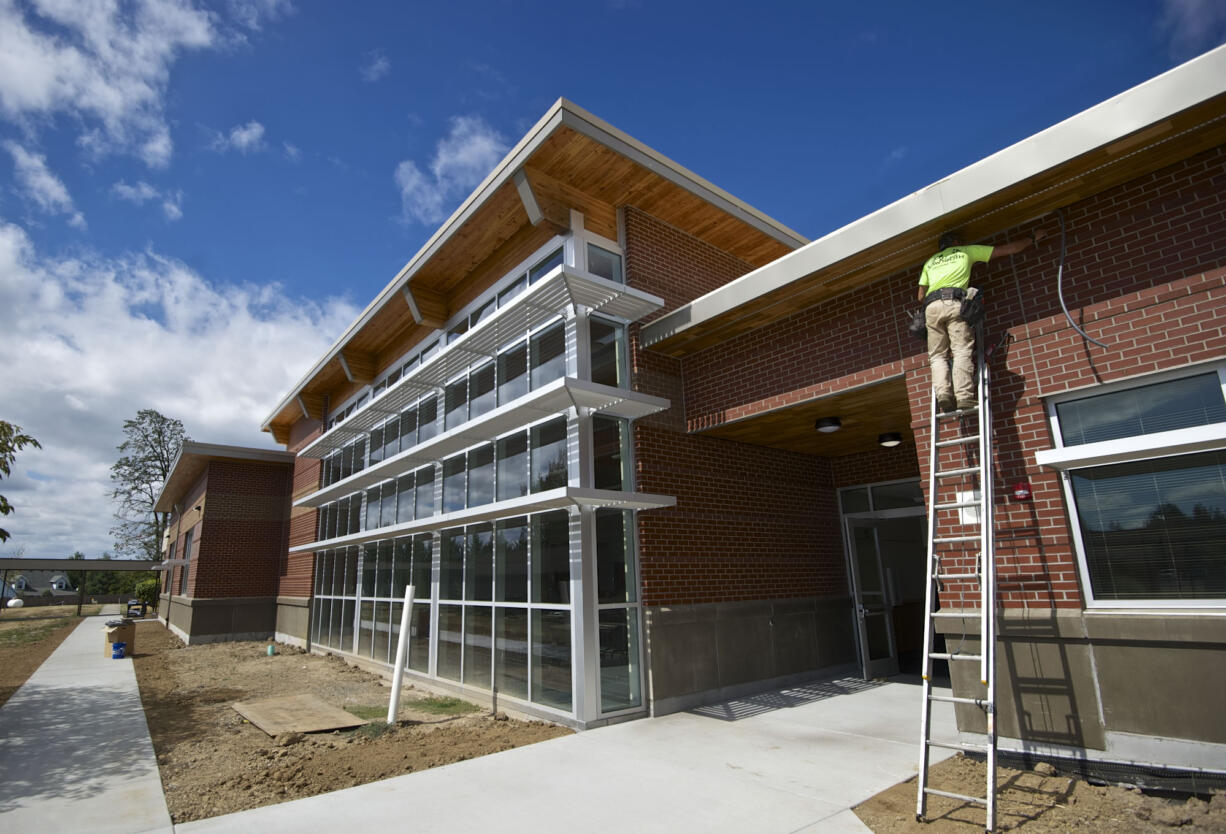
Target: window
x=543, y=267
x=609, y=445
x=549, y=455
x=1145, y=474
x=604, y=263
x=548, y=358
x=608, y=364
x=187, y=561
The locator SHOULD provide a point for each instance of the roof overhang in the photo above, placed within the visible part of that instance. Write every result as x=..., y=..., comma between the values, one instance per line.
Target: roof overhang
x=193, y=459
x=570, y=160
x=16, y=563
x=1162, y=121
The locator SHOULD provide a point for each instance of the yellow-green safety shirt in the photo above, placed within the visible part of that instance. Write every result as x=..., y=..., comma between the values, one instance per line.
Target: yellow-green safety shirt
x=952, y=267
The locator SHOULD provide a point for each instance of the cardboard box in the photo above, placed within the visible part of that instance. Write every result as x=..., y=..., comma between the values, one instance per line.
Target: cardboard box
x=125, y=633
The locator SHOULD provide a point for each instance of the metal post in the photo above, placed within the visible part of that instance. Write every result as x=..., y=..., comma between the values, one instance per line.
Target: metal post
x=402, y=650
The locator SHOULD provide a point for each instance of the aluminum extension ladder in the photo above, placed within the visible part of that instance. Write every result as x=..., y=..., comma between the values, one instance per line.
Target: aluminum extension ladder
x=961, y=552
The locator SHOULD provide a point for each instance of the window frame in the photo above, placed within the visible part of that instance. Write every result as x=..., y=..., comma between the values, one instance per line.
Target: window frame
x=1154, y=446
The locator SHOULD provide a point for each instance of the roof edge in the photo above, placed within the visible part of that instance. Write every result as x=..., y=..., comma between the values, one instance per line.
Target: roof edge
x=1160, y=97
x=563, y=111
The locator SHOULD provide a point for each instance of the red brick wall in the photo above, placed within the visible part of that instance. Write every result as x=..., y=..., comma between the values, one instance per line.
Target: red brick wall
x=749, y=520
x=1143, y=273
x=243, y=532
x=669, y=263
x=873, y=467
x=298, y=569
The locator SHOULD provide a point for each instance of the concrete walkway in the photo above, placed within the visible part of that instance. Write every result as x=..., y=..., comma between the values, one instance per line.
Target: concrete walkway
x=75, y=756
x=792, y=760
x=75, y=753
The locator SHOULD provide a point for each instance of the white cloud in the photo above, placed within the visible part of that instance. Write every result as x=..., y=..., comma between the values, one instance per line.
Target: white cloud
x=253, y=13
x=143, y=192
x=242, y=138
x=292, y=152
x=106, y=64
x=897, y=154
x=1192, y=26
x=461, y=160
x=89, y=341
x=42, y=186
x=377, y=66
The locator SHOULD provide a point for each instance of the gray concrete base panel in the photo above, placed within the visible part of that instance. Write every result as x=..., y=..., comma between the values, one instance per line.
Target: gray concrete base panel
x=698, y=654
x=75, y=752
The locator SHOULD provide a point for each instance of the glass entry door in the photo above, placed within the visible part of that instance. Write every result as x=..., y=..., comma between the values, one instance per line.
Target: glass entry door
x=874, y=606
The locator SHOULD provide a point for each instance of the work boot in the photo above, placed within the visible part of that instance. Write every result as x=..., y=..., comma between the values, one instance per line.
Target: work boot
x=945, y=404
x=967, y=406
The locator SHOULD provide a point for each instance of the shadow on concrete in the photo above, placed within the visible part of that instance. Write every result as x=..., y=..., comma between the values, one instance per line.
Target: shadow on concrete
x=777, y=699
x=62, y=743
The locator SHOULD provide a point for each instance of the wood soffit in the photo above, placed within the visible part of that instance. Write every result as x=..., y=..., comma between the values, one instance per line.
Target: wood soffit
x=1025, y=204
x=864, y=412
x=567, y=171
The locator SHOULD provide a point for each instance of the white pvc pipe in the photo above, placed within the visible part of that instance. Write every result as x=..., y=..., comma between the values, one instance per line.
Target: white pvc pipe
x=402, y=650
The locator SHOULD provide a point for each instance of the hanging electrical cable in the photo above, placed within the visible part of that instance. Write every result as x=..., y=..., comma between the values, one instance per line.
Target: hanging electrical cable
x=1060, y=287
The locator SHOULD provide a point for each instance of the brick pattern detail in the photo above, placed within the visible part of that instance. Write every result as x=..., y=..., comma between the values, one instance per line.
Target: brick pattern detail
x=1143, y=273
x=667, y=262
x=750, y=522
x=239, y=538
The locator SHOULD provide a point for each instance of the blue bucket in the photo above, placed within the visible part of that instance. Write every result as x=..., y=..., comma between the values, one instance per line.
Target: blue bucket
x=117, y=650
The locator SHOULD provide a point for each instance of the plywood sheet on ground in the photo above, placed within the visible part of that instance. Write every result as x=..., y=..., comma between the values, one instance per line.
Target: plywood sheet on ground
x=295, y=714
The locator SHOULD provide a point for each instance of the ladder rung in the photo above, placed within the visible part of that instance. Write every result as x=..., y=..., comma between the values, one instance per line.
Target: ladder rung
x=950, y=795
x=954, y=441
x=970, y=616
x=950, y=539
x=954, y=577
x=967, y=471
x=957, y=412
x=950, y=656
x=960, y=505
x=954, y=699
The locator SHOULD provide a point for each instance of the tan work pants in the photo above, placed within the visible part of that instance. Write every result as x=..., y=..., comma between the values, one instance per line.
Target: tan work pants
x=948, y=333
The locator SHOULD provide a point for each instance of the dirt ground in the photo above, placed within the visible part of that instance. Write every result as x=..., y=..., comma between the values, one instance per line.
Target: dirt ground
x=1041, y=801
x=213, y=762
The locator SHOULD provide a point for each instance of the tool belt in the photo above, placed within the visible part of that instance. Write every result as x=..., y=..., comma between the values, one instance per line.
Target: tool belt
x=945, y=294
x=971, y=310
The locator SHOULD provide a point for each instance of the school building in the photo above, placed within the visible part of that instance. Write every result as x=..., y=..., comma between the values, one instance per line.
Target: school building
x=638, y=447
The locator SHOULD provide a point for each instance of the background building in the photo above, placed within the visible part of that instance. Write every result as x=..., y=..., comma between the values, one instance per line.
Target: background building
x=224, y=547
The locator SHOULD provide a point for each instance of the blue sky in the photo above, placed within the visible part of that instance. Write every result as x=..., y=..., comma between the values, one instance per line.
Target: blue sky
x=196, y=198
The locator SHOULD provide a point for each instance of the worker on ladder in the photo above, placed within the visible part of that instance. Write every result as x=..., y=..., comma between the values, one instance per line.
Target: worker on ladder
x=944, y=289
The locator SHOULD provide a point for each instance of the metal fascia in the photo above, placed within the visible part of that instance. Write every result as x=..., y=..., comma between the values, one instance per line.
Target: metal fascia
x=1152, y=101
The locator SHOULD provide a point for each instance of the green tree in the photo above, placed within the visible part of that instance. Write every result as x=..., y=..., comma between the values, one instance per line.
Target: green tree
x=12, y=441
x=153, y=441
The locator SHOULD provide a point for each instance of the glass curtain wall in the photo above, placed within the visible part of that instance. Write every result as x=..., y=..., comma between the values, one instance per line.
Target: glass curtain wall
x=494, y=608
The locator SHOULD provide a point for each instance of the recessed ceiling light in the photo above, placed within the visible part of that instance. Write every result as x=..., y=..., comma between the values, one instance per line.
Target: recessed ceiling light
x=826, y=425
x=890, y=439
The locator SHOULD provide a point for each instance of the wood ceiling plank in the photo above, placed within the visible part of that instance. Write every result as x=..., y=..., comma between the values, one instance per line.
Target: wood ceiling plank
x=865, y=413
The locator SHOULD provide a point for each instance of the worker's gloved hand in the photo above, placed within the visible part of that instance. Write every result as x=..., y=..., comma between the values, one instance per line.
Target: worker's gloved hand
x=917, y=326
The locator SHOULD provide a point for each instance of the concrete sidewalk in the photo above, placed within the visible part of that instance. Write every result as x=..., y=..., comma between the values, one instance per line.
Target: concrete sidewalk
x=75, y=753
x=792, y=760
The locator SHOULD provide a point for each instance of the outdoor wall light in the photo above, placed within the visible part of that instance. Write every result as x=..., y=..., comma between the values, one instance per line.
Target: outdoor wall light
x=826, y=425
x=890, y=439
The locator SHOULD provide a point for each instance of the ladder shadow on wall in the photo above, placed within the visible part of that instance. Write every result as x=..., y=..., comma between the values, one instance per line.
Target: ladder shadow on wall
x=1037, y=689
